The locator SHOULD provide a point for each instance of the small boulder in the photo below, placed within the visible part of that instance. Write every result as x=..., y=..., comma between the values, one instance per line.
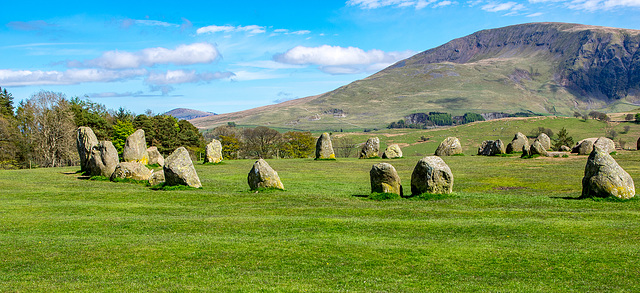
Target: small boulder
x=603, y=177
x=85, y=141
x=449, y=146
x=544, y=140
x=393, y=151
x=103, y=159
x=565, y=148
x=213, y=152
x=155, y=157
x=537, y=149
x=370, y=149
x=431, y=175
x=131, y=170
x=263, y=176
x=583, y=147
x=519, y=140
x=491, y=148
x=324, y=148
x=385, y=179
x=135, y=148
x=178, y=169
x=156, y=178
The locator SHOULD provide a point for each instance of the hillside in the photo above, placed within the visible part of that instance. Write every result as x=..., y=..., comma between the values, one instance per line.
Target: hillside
x=188, y=114
x=544, y=68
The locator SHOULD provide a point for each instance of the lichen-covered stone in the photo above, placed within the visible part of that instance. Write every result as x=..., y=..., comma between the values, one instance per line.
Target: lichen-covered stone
x=544, y=140
x=324, y=148
x=603, y=177
x=537, y=149
x=605, y=144
x=155, y=157
x=431, y=175
x=178, y=169
x=449, y=146
x=385, y=179
x=491, y=148
x=370, y=149
x=131, y=170
x=519, y=140
x=585, y=146
x=392, y=152
x=103, y=159
x=135, y=148
x=156, y=178
x=85, y=141
x=213, y=152
x=263, y=176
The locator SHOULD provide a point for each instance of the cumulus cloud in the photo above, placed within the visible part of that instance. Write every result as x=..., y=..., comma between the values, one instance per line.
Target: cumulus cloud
x=340, y=60
x=182, y=55
x=184, y=76
x=417, y=4
x=250, y=29
x=71, y=76
x=284, y=96
x=593, y=5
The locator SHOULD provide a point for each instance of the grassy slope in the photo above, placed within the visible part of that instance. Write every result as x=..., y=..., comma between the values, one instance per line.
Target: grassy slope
x=511, y=226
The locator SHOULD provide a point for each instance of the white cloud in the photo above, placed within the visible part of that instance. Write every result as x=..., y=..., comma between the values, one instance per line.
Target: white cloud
x=373, y=4
x=184, y=76
x=535, y=14
x=71, y=76
x=508, y=6
x=115, y=95
x=252, y=75
x=593, y=5
x=268, y=64
x=183, y=55
x=251, y=29
x=444, y=3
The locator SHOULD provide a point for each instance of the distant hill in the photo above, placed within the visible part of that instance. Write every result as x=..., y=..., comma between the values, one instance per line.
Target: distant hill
x=544, y=68
x=188, y=114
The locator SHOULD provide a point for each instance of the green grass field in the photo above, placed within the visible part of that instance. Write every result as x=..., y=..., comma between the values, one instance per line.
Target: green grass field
x=512, y=225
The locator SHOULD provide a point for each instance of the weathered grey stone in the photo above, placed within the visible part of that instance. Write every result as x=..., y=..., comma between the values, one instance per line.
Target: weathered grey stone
x=638, y=144
x=135, y=148
x=263, y=176
x=85, y=141
x=537, y=149
x=131, y=170
x=431, y=175
x=605, y=144
x=393, y=151
x=449, y=146
x=324, y=148
x=156, y=178
x=603, y=177
x=584, y=147
x=370, y=149
x=519, y=140
x=565, y=148
x=178, y=169
x=491, y=148
x=385, y=179
x=155, y=157
x=544, y=140
x=103, y=159
x=213, y=152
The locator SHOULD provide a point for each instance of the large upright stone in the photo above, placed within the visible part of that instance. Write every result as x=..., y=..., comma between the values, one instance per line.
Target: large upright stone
x=131, y=170
x=155, y=157
x=103, y=159
x=135, y=148
x=385, y=179
x=537, y=149
x=85, y=141
x=392, y=152
x=324, y=148
x=603, y=177
x=213, y=153
x=370, y=149
x=544, y=140
x=584, y=147
x=605, y=144
x=178, y=169
x=263, y=176
x=516, y=144
x=431, y=175
x=449, y=146
x=491, y=148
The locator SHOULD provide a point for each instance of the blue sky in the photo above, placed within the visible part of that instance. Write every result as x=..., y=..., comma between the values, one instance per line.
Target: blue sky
x=225, y=56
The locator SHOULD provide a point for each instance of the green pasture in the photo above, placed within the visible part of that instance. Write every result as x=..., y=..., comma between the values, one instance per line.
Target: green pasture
x=511, y=225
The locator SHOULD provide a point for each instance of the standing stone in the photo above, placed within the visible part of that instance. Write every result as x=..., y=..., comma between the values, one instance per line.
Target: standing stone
x=385, y=179
x=131, y=170
x=179, y=170
x=544, y=140
x=324, y=148
x=605, y=144
x=135, y=148
x=537, y=149
x=85, y=141
x=449, y=146
x=155, y=157
x=213, y=153
x=603, y=177
x=156, y=178
x=638, y=144
x=491, y=148
x=103, y=160
x=519, y=140
x=583, y=147
x=370, y=149
x=393, y=151
x=431, y=175
x=263, y=176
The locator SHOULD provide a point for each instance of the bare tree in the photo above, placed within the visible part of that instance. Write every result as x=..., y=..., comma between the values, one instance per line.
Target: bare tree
x=344, y=146
x=261, y=141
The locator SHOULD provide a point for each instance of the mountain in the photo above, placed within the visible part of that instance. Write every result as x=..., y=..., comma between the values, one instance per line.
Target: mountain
x=543, y=68
x=188, y=114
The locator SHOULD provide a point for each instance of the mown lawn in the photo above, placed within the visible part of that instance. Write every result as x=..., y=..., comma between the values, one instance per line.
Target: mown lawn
x=512, y=225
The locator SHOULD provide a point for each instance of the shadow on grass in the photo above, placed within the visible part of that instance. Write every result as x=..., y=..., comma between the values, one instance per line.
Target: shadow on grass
x=597, y=199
